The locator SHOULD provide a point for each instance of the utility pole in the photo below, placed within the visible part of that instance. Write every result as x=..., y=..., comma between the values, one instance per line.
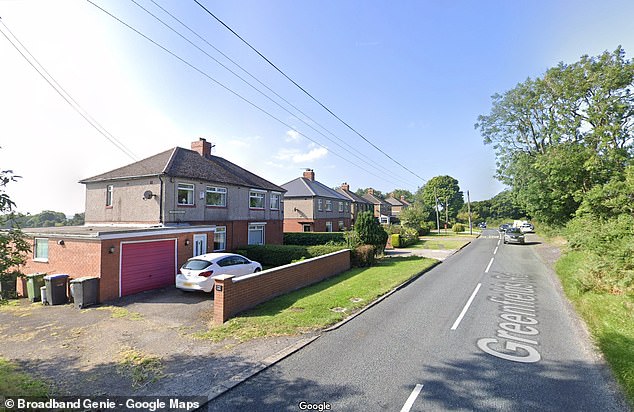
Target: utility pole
x=437, y=217
x=469, y=209
x=446, y=213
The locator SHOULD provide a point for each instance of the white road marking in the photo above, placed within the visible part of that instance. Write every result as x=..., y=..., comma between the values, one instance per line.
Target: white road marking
x=466, y=307
x=412, y=398
x=499, y=240
x=496, y=250
x=489, y=266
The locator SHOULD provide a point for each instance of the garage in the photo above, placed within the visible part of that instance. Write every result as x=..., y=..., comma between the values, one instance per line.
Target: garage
x=147, y=265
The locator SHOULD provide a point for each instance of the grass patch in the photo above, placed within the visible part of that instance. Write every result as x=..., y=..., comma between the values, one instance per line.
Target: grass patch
x=122, y=313
x=440, y=244
x=609, y=317
x=320, y=305
x=139, y=367
x=14, y=382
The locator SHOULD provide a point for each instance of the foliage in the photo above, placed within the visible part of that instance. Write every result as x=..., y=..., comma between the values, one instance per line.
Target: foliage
x=458, y=227
x=446, y=190
x=417, y=216
x=505, y=205
x=558, y=136
x=14, y=382
x=360, y=192
x=363, y=256
x=396, y=240
x=370, y=231
x=46, y=218
x=13, y=244
x=278, y=255
x=313, y=238
x=397, y=193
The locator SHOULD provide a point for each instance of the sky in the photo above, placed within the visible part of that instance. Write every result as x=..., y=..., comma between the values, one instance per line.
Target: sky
x=409, y=78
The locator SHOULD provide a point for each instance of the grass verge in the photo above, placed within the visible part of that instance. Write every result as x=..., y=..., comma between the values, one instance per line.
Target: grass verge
x=322, y=304
x=440, y=244
x=610, y=319
x=141, y=368
x=13, y=382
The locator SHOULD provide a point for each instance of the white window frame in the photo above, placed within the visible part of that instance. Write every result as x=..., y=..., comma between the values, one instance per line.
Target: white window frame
x=223, y=195
x=328, y=205
x=340, y=207
x=36, y=256
x=220, y=230
x=257, y=194
x=320, y=204
x=189, y=188
x=328, y=226
x=275, y=200
x=109, y=197
x=256, y=227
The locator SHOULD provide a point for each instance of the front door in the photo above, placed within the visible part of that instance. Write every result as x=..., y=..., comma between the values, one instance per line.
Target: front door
x=200, y=244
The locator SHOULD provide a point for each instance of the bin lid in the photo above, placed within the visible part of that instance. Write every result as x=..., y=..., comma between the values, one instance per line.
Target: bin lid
x=35, y=275
x=83, y=279
x=55, y=276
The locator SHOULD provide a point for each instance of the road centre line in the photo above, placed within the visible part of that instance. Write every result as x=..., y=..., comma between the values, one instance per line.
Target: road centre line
x=499, y=240
x=412, y=398
x=489, y=266
x=466, y=307
x=496, y=250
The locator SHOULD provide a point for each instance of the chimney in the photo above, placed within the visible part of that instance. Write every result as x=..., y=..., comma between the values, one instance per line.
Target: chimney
x=309, y=174
x=370, y=191
x=402, y=198
x=345, y=186
x=202, y=147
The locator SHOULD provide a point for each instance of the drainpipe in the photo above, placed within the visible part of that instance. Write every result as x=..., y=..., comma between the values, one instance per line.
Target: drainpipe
x=161, y=202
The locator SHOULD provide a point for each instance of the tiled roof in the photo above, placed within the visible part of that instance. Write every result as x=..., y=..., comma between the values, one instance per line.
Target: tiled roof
x=352, y=196
x=189, y=164
x=302, y=187
x=373, y=199
x=394, y=201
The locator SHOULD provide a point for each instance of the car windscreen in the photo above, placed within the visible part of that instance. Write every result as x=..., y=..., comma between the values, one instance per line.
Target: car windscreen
x=512, y=230
x=196, y=264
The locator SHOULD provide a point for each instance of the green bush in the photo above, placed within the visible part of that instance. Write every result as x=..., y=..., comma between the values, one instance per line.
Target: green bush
x=424, y=229
x=408, y=237
x=370, y=231
x=396, y=240
x=314, y=238
x=363, y=256
x=458, y=227
x=278, y=255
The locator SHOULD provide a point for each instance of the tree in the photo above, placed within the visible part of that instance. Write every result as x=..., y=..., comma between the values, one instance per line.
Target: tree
x=360, y=192
x=370, y=231
x=447, y=191
x=558, y=136
x=417, y=216
x=13, y=244
x=397, y=193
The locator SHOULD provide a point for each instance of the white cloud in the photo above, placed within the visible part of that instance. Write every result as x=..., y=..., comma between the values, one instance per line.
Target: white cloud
x=292, y=136
x=297, y=156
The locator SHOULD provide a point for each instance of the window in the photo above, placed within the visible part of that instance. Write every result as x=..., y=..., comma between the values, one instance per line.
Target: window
x=320, y=206
x=307, y=227
x=109, y=189
x=216, y=196
x=256, y=199
x=185, y=194
x=328, y=226
x=340, y=207
x=40, y=251
x=256, y=234
x=275, y=201
x=220, y=238
x=328, y=205
x=341, y=226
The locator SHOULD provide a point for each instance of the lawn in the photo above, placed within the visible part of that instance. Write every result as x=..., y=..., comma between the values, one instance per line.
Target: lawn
x=321, y=305
x=609, y=317
x=439, y=243
x=13, y=382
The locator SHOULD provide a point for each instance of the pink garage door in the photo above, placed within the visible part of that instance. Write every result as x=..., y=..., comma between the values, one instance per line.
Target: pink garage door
x=147, y=266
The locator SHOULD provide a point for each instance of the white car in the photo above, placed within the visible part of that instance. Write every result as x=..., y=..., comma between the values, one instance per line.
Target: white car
x=527, y=228
x=198, y=272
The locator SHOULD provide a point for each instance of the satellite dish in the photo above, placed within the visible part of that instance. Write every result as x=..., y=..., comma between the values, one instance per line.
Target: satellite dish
x=147, y=195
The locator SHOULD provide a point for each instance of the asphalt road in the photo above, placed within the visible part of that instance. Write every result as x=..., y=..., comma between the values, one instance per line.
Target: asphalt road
x=485, y=330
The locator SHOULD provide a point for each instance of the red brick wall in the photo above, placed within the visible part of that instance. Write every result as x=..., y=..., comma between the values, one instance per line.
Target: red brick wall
x=243, y=293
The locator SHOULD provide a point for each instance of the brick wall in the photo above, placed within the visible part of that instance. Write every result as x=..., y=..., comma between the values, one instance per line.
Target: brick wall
x=244, y=292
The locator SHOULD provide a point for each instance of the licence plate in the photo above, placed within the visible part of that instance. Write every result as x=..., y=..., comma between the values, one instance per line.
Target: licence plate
x=188, y=284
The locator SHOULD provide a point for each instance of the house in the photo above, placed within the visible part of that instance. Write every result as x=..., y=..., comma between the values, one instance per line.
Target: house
x=397, y=205
x=311, y=206
x=357, y=203
x=382, y=209
x=145, y=219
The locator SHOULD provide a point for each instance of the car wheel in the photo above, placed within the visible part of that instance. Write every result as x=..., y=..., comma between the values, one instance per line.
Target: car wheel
x=257, y=270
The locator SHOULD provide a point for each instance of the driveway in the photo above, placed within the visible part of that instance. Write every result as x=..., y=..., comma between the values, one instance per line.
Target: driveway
x=143, y=344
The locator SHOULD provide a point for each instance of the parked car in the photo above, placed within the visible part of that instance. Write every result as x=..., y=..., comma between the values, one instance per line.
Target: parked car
x=527, y=228
x=197, y=272
x=483, y=225
x=513, y=235
x=503, y=227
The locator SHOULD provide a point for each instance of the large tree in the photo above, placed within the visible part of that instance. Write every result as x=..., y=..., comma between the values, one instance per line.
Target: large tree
x=558, y=136
x=447, y=191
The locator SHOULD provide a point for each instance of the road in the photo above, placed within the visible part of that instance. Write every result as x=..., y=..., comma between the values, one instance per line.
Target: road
x=485, y=330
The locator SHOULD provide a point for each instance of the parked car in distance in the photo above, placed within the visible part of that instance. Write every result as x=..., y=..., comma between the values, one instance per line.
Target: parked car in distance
x=503, y=227
x=197, y=272
x=483, y=225
x=513, y=235
x=527, y=228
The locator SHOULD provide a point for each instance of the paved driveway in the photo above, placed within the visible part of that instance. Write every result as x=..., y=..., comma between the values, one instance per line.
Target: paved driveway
x=97, y=350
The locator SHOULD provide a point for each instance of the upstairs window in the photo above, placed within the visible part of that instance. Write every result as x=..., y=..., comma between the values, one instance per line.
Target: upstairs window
x=275, y=201
x=40, y=251
x=328, y=205
x=340, y=207
x=320, y=204
x=216, y=196
x=185, y=194
x=256, y=199
x=109, y=190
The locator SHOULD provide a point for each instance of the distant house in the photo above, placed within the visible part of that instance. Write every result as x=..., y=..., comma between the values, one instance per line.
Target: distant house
x=146, y=219
x=311, y=206
x=358, y=204
x=382, y=209
x=397, y=206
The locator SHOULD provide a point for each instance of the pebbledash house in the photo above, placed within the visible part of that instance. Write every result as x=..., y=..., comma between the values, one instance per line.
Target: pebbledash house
x=144, y=220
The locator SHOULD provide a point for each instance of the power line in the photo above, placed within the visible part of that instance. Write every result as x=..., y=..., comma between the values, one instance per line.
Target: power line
x=306, y=92
x=227, y=88
x=351, y=152
x=63, y=93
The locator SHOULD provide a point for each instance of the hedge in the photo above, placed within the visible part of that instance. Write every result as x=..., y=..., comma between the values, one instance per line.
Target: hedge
x=278, y=255
x=313, y=238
